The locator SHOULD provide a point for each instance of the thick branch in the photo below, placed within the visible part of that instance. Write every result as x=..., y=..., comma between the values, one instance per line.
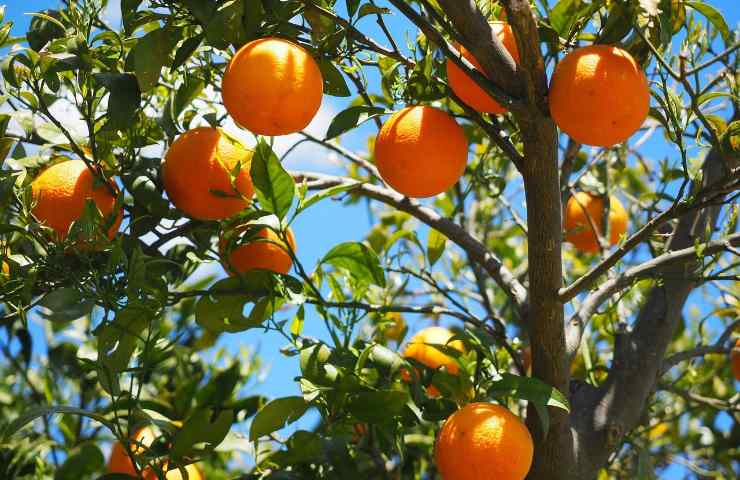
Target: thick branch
x=478, y=37
x=608, y=413
x=718, y=347
x=472, y=246
x=656, y=267
x=706, y=196
x=500, y=93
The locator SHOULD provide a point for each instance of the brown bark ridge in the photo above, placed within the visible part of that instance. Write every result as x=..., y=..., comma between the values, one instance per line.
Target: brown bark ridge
x=527, y=82
x=601, y=417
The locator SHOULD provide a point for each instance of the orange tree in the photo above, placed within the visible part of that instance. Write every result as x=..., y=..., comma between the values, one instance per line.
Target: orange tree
x=578, y=235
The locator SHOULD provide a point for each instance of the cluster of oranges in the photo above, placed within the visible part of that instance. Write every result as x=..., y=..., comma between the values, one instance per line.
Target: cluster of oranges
x=420, y=151
x=598, y=95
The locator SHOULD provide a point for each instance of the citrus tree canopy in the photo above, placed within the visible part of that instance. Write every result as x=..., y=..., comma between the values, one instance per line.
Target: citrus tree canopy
x=369, y=239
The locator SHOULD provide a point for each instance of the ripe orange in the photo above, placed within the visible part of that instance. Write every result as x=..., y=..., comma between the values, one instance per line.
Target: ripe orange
x=272, y=87
x=582, y=210
x=197, y=173
x=265, y=251
x=599, y=95
x=735, y=360
x=120, y=462
x=421, y=151
x=464, y=86
x=483, y=441
x=61, y=191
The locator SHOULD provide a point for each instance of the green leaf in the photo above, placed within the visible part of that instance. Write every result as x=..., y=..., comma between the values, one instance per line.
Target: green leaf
x=334, y=83
x=361, y=262
x=220, y=387
x=66, y=304
x=715, y=17
x=276, y=414
x=185, y=51
x=151, y=54
x=377, y=407
x=204, y=426
x=370, y=9
x=302, y=447
x=326, y=193
x=44, y=27
x=117, y=341
x=564, y=15
x=223, y=312
x=352, y=6
x=226, y=26
x=274, y=186
x=533, y=390
x=186, y=93
x=350, y=118
x=82, y=462
x=123, y=100
x=435, y=246
x=38, y=412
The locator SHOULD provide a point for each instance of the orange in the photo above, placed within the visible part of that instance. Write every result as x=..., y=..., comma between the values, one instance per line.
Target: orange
x=735, y=360
x=272, y=87
x=583, y=210
x=599, y=95
x=61, y=191
x=120, y=462
x=265, y=251
x=427, y=355
x=174, y=474
x=197, y=172
x=465, y=87
x=421, y=151
x=483, y=441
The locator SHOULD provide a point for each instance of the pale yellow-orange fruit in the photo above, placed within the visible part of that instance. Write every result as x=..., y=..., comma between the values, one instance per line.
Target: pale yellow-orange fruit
x=120, y=462
x=585, y=211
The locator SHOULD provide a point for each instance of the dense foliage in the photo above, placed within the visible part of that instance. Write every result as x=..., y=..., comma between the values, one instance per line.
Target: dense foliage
x=134, y=333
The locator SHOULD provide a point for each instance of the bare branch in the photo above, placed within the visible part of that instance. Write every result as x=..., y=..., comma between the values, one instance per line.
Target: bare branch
x=703, y=198
x=472, y=246
x=718, y=347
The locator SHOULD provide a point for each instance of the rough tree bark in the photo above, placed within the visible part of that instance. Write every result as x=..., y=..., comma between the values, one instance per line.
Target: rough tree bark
x=528, y=85
x=579, y=444
x=601, y=417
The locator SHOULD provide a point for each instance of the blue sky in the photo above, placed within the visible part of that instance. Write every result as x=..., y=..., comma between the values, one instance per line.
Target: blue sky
x=324, y=226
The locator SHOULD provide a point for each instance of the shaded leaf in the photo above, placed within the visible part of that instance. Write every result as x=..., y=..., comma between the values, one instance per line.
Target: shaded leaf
x=334, y=83
x=276, y=414
x=203, y=426
x=350, y=118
